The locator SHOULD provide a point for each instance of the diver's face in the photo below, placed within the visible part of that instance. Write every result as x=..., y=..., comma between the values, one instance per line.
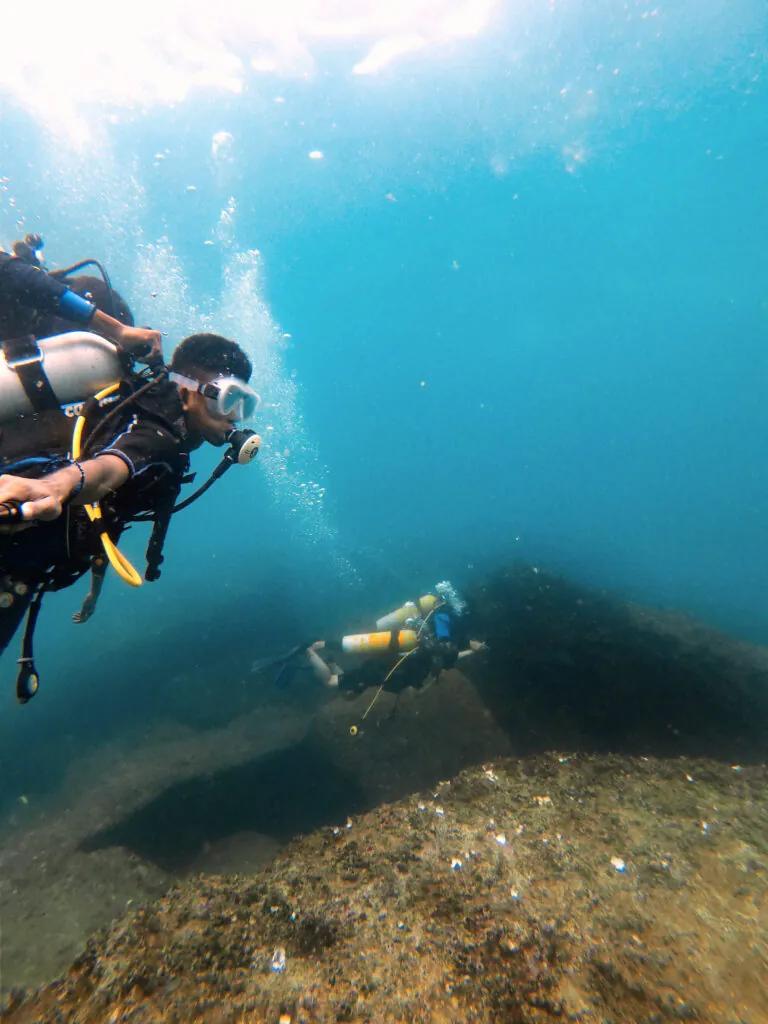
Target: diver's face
x=205, y=424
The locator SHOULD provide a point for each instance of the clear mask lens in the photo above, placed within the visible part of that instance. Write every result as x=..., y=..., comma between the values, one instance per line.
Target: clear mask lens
x=236, y=399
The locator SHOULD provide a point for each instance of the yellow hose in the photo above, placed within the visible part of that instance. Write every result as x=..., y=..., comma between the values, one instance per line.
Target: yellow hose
x=117, y=560
x=354, y=729
x=386, y=680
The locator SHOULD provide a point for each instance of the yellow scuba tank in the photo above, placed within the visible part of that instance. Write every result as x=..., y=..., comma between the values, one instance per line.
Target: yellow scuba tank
x=380, y=643
x=410, y=610
x=76, y=365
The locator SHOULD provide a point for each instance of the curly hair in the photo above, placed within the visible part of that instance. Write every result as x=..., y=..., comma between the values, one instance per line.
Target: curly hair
x=211, y=353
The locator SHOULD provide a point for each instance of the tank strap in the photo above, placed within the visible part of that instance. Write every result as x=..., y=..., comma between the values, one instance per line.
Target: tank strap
x=24, y=357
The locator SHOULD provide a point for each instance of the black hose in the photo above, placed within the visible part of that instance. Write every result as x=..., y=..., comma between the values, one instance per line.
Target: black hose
x=119, y=408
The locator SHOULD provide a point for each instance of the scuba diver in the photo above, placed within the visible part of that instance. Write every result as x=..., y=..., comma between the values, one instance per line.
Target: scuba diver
x=37, y=304
x=41, y=305
x=88, y=446
x=410, y=647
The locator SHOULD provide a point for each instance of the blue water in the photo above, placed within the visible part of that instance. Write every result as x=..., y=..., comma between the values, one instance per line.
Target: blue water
x=525, y=288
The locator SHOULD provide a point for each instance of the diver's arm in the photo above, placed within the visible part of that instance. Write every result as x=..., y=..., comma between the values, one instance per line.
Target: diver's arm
x=474, y=647
x=102, y=475
x=36, y=290
x=44, y=498
x=144, y=345
x=320, y=668
x=98, y=572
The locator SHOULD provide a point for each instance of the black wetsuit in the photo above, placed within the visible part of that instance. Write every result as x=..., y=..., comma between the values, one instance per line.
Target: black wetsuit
x=149, y=435
x=28, y=296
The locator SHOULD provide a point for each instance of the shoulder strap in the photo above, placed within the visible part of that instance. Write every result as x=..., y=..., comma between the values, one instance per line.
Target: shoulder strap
x=162, y=520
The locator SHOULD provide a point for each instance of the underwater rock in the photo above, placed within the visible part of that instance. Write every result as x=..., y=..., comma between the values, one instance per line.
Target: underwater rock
x=60, y=880
x=567, y=669
x=405, y=914
x=579, y=669
x=408, y=740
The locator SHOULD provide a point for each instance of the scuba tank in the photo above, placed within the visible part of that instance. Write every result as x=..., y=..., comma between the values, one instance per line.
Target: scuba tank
x=75, y=364
x=378, y=643
x=410, y=610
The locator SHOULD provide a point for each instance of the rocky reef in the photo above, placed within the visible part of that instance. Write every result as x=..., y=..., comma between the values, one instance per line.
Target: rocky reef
x=583, y=888
x=574, y=827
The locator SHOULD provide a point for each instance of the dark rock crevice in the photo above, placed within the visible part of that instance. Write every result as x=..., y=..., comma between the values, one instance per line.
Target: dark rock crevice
x=574, y=669
x=287, y=793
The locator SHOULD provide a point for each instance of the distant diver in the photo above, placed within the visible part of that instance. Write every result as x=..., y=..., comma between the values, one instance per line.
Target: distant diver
x=410, y=647
x=88, y=445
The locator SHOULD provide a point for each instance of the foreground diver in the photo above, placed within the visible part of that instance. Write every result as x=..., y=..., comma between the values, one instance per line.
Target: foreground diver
x=42, y=306
x=35, y=304
x=66, y=494
x=411, y=647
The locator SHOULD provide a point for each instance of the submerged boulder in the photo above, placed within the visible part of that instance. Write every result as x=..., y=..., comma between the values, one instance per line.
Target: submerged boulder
x=582, y=888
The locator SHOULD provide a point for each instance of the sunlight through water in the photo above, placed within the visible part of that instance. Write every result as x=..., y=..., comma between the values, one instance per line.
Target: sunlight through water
x=153, y=52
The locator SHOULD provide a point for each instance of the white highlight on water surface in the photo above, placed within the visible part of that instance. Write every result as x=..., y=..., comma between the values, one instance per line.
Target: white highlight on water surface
x=221, y=145
x=61, y=62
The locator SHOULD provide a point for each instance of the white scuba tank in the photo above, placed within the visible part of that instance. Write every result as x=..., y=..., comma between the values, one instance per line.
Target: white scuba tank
x=410, y=610
x=77, y=364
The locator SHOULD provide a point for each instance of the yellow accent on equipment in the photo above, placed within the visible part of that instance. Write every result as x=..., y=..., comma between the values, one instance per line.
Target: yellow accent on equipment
x=410, y=610
x=379, y=643
x=389, y=675
x=117, y=560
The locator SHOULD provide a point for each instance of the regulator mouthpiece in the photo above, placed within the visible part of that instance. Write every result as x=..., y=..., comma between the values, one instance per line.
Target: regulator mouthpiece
x=244, y=446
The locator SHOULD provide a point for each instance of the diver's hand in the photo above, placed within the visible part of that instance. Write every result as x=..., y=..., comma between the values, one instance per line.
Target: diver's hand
x=144, y=345
x=35, y=500
x=24, y=502
x=87, y=609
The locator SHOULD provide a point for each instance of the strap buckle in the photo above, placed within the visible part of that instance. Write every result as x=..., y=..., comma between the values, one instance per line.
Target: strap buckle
x=22, y=351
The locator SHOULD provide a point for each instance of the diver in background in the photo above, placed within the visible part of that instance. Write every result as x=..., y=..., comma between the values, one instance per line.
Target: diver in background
x=411, y=646
x=29, y=297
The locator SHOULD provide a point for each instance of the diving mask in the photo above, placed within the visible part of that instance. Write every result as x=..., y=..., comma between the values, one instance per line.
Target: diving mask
x=226, y=396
